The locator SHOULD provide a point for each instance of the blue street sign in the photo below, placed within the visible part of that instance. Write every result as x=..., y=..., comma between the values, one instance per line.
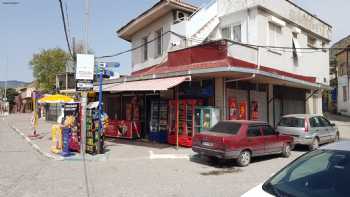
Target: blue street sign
x=112, y=64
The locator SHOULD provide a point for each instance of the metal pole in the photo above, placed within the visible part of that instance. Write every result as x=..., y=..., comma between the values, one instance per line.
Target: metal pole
x=87, y=18
x=84, y=103
x=6, y=78
x=100, y=110
x=84, y=94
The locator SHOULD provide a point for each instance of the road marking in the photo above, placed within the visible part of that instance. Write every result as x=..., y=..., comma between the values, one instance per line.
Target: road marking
x=35, y=146
x=168, y=156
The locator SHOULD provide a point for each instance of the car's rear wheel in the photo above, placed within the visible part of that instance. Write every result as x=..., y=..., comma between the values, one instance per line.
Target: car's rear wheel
x=315, y=144
x=244, y=158
x=287, y=149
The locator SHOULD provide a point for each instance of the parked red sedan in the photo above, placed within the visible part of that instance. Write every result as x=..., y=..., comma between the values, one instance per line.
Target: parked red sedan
x=241, y=140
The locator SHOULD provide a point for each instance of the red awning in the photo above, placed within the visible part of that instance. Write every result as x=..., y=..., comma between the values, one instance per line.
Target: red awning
x=148, y=85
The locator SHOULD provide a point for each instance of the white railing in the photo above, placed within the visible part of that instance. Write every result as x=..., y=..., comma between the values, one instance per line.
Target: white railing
x=201, y=18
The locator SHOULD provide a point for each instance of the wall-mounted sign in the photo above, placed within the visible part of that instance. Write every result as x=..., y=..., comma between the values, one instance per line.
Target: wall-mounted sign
x=84, y=85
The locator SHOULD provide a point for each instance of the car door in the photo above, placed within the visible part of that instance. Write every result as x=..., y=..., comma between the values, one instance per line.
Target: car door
x=329, y=130
x=271, y=140
x=255, y=140
x=317, y=129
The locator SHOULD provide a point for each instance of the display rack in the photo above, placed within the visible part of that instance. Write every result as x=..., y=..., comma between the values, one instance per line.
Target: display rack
x=159, y=121
x=205, y=118
x=181, y=121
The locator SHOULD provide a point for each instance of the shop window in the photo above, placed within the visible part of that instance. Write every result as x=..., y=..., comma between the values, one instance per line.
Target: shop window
x=145, y=48
x=226, y=33
x=324, y=45
x=311, y=41
x=237, y=34
x=275, y=34
x=345, y=94
x=232, y=32
x=295, y=35
x=159, y=42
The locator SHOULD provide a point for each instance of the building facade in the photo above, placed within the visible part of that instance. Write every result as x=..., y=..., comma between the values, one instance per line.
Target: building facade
x=343, y=73
x=250, y=59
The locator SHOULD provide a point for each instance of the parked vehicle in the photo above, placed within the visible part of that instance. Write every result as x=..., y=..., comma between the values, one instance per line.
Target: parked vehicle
x=322, y=173
x=241, y=140
x=310, y=130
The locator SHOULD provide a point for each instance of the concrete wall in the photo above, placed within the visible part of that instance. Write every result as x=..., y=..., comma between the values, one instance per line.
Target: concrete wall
x=219, y=96
x=255, y=30
x=164, y=22
x=309, y=63
x=282, y=8
x=343, y=107
x=314, y=104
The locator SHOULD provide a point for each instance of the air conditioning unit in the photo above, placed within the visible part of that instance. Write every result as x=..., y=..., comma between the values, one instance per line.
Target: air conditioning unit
x=180, y=16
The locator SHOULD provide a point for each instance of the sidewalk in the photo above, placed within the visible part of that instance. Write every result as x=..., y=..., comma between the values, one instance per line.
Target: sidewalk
x=342, y=122
x=115, y=149
x=21, y=123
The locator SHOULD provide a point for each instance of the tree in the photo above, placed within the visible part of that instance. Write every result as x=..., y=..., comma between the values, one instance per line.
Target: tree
x=46, y=65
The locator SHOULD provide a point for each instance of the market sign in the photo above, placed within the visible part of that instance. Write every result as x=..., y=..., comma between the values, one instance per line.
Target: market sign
x=84, y=74
x=85, y=67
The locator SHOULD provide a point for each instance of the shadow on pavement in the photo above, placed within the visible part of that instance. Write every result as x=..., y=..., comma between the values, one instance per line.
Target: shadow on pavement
x=135, y=142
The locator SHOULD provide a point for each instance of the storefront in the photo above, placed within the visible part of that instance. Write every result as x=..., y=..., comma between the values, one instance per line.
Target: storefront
x=288, y=100
x=166, y=114
x=246, y=101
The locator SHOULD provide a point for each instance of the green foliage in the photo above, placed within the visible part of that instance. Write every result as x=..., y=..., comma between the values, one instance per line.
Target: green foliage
x=46, y=65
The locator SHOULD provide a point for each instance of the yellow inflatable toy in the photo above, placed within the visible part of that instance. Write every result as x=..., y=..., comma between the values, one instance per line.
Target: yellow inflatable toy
x=56, y=136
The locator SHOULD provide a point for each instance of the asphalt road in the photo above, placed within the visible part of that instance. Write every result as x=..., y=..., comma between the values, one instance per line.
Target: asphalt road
x=129, y=171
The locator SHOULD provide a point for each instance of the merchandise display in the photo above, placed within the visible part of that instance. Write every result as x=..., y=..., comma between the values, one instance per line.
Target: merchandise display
x=130, y=128
x=159, y=121
x=206, y=117
x=56, y=138
x=94, y=139
x=182, y=121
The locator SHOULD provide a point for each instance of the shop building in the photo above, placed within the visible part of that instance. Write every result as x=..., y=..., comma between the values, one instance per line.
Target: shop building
x=224, y=57
x=342, y=59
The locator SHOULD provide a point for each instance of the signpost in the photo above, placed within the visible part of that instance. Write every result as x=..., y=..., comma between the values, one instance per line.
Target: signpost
x=84, y=78
x=103, y=70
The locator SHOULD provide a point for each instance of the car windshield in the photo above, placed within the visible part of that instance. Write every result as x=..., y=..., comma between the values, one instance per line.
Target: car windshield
x=226, y=127
x=322, y=173
x=292, y=122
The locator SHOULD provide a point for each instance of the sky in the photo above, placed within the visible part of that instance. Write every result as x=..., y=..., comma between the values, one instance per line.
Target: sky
x=31, y=26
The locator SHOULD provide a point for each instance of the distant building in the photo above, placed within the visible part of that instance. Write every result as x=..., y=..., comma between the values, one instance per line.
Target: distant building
x=23, y=101
x=343, y=77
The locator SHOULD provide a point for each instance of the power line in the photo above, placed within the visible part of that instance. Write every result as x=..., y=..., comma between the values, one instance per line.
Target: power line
x=68, y=24
x=280, y=48
x=65, y=28
x=135, y=48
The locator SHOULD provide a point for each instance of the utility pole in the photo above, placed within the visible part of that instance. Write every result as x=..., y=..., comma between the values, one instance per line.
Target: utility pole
x=6, y=78
x=84, y=101
x=7, y=106
x=84, y=93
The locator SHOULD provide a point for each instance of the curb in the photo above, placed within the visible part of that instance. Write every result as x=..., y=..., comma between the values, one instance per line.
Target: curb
x=35, y=146
x=76, y=157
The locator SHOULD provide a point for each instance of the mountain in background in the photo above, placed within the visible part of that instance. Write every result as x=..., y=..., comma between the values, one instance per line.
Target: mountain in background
x=13, y=84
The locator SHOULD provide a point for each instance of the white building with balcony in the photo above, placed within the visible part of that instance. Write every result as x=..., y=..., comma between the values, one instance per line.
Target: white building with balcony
x=263, y=53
